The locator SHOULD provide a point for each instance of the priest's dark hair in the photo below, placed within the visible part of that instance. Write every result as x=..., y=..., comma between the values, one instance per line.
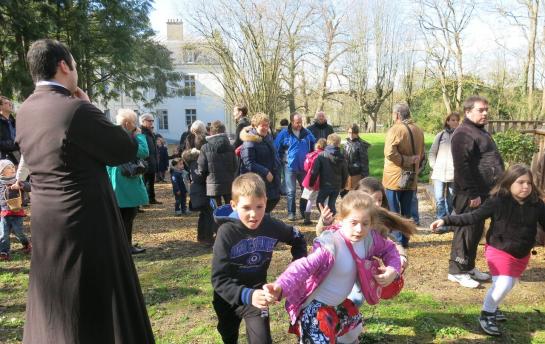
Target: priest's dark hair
x=44, y=56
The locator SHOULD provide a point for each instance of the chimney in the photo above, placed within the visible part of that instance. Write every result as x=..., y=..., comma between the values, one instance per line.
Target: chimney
x=175, y=30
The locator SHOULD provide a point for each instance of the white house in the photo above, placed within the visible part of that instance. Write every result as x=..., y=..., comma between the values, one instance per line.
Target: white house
x=203, y=95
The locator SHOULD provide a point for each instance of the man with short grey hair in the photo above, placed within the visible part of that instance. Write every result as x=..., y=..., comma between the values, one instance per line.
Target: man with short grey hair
x=403, y=153
x=320, y=129
x=146, y=125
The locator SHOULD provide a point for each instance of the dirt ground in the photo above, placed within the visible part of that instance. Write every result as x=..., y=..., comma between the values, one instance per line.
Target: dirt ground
x=428, y=253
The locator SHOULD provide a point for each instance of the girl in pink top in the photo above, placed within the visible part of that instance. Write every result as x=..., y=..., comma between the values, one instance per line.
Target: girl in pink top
x=316, y=287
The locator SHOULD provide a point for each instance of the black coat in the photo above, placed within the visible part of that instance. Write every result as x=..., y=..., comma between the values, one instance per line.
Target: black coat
x=477, y=162
x=83, y=284
x=242, y=123
x=320, y=131
x=357, y=158
x=218, y=163
x=258, y=155
x=8, y=148
x=330, y=166
x=152, y=159
x=513, y=227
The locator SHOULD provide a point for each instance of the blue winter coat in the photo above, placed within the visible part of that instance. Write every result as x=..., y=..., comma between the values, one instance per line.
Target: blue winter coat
x=177, y=179
x=259, y=155
x=295, y=147
x=162, y=152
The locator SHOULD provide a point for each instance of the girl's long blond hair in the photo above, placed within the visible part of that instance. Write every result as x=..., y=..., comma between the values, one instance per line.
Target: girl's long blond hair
x=382, y=220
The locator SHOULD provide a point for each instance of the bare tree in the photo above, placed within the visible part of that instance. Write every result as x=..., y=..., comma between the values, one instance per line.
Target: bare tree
x=329, y=47
x=527, y=20
x=442, y=22
x=298, y=29
x=373, y=59
x=245, y=38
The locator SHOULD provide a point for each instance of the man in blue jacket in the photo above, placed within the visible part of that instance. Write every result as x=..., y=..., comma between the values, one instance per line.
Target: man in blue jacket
x=295, y=142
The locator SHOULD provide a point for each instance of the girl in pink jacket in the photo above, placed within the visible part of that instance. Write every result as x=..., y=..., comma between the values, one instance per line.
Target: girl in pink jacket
x=316, y=287
x=310, y=192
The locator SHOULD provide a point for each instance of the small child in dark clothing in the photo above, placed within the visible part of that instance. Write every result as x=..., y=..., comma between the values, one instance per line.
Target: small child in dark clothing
x=178, y=186
x=162, y=159
x=12, y=217
x=331, y=167
x=242, y=254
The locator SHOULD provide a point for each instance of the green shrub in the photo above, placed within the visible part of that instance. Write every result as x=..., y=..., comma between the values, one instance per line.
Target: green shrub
x=516, y=147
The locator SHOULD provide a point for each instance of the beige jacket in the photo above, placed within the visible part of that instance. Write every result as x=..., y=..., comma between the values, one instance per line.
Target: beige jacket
x=398, y=152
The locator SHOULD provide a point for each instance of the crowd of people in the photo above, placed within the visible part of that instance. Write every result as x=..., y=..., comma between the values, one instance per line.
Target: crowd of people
x=90, y=178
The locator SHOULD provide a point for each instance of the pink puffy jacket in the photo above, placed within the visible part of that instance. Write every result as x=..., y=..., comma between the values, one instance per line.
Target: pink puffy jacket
x=304, y=275
x=309, y=162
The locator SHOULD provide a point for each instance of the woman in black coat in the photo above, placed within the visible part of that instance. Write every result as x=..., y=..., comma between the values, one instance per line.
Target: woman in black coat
x=258, y=155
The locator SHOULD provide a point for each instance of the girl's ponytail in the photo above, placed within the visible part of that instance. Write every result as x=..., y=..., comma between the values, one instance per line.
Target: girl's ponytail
x=392, y=221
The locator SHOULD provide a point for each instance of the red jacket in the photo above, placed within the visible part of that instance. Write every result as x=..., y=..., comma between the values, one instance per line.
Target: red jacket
x=309, y=162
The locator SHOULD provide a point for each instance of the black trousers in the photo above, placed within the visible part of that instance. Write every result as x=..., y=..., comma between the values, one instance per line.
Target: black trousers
x=149, y=181
x=128, y=215
x=258, y=330
x=271, y=203
x=206, y=227
x=466, y=239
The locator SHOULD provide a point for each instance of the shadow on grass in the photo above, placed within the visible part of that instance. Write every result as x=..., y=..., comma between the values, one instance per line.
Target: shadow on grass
x=11, y=325
x=164, y=294
x=451, y=327
x=174, y=249
x=414, y=244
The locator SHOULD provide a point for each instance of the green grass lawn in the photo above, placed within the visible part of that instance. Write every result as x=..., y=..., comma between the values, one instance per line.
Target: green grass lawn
x=376, y=154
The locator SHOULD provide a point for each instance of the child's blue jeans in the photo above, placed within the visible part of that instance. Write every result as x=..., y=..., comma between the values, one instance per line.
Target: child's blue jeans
x=180, y=204
x=10, y=224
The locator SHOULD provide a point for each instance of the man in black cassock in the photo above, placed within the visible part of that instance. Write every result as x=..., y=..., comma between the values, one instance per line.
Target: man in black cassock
x=83, y=284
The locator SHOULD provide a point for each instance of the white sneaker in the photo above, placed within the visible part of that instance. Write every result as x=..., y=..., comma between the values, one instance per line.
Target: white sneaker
x=464, y=279
x=479, y=276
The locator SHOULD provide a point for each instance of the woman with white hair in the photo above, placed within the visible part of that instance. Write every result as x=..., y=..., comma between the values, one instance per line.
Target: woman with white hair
x=197, y=133
x=146, y=125
x=130, y=192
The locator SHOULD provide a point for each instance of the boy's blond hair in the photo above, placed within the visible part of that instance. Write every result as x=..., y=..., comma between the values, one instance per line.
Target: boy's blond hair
x=334, y=140
x=248, y=185
x=320, y=144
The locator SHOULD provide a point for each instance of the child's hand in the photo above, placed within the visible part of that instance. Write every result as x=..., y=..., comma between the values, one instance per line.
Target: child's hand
x=270, y=177
x=273, y=292
x=327, y=215
x=436, y=224
x=17, y=186
x=259, y=299
x=386, y=276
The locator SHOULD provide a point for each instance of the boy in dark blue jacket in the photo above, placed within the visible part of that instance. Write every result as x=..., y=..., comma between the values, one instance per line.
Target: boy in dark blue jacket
x=178, y=187
x=242, y=254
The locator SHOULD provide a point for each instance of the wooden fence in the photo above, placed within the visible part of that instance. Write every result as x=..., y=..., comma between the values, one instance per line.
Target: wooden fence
x=500, y=126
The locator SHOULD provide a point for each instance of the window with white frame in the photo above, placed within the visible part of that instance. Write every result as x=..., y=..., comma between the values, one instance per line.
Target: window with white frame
x=162, y=115
x=190, y=116
x=189, y=85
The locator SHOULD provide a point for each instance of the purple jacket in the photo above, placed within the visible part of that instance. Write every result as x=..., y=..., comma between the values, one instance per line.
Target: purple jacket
x=310, y=271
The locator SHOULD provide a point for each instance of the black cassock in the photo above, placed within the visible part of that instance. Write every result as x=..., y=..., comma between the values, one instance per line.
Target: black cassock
x=83, y=283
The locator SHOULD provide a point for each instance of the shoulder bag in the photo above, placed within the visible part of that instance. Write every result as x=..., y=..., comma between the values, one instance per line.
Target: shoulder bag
x=408, y=176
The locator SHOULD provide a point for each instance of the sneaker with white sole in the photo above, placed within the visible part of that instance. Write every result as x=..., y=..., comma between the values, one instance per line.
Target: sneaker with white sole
x=479, y=276
x=489, y=325
x=464, y=280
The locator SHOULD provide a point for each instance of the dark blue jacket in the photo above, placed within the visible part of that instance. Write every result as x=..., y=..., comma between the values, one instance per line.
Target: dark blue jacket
x=176, y=177
x=295, y=147
x=162, y=152
x=259, y=155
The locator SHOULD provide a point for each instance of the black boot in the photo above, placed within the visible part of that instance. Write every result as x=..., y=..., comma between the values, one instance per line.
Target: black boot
x=307, y=220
